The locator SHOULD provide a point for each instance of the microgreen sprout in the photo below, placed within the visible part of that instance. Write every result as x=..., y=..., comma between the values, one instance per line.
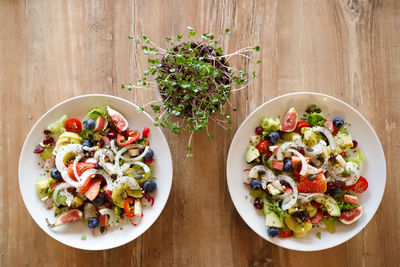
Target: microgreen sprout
x=192, y=81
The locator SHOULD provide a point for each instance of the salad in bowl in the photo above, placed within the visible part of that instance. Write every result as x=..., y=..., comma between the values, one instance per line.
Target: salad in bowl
x=98, y=166
x=96, y=170
x=305, y=173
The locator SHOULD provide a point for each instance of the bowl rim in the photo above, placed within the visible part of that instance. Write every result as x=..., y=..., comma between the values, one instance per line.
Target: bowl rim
x=25, y=200
x=230, y=157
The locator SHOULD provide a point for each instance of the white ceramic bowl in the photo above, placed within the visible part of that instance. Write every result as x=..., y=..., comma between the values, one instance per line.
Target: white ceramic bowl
x=374, y=169
x=70, y=234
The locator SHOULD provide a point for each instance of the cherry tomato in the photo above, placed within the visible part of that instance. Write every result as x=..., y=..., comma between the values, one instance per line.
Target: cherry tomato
x=131, y=136
x=285, y=233
x=73, y=125
x=129, y=210
x=146, y=132
x=361, y=185
x=263, y=147
x=300, y=125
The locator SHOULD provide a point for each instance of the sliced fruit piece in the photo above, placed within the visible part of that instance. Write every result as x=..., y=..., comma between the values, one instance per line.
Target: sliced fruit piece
x=272, y=190
x=41, y=186
x=317, y=218
x=119, y=196
x=350, y=199
x=119, y=122
x=252, y=153
x=298, y=229
x=68, y=217
x=330, y=204
x=73, y=125
x=272, y=219
x=81, y=167
x=93, y=190
x=101, y=124
x=76, y=202
x=312, y=211
x=289, y=136
x=277, y=165
x=316, y=185
x=86, y=185
x=289, y=122
x=352, y=216
x=361, y=185
x=311, y=138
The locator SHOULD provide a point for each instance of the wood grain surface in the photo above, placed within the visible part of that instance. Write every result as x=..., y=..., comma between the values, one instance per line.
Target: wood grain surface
x=52, y=50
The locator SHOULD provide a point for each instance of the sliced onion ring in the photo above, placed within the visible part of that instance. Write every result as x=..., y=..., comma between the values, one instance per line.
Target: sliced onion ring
x=74, y=148
x=284, y=147
x=291, y=199
x=111, y=214
x=303, y=161
x=327, y=134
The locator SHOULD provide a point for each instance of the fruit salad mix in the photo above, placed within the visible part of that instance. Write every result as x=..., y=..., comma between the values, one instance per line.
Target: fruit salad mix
x=305, y=173
x=97, y=171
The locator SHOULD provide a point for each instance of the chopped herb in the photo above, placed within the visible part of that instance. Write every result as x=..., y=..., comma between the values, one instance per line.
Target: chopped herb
x=319, y=235
x=83, y=237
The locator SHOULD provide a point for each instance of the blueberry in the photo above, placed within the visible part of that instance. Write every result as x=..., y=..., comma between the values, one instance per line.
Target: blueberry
x=287, y=165
x=93, y=222
x=255, y=184
x=273, y=231
x=55, y=174
x=336, y=191
x=89, y=124
x=150, y=186
x=87, y=143
x=149, y=155
x=273, y=137
x=338, y=122
x=98, y=201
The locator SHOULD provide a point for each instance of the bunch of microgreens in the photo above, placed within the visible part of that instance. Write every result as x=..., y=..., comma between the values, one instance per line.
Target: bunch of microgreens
x=192, y=81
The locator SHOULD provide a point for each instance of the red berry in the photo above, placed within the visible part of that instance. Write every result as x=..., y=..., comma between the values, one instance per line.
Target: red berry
x=355, y=144
x=38, y=150
x=259, y=130
x=48, y=141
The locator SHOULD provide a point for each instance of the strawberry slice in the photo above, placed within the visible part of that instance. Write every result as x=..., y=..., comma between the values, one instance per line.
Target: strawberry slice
x=316, y=185
x=93, y=190
x=81, y=167
x=86, y=185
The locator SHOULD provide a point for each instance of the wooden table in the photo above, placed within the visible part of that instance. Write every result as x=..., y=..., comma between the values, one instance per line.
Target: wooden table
x=53, y=50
